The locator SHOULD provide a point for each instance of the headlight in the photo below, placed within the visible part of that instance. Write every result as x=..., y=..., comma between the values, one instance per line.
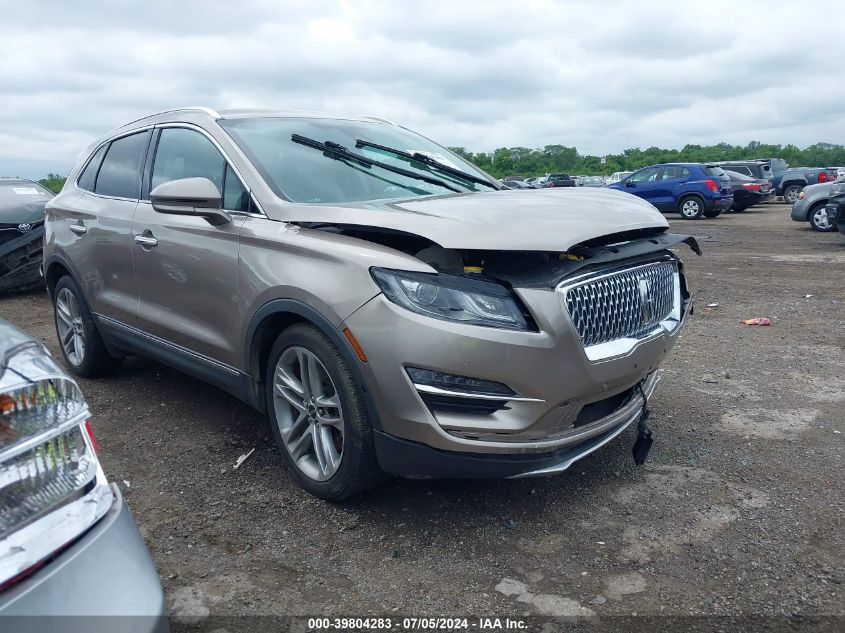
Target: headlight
x=452, y=298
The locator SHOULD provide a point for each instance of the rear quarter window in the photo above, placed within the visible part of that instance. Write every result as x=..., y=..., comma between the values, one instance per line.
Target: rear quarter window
x=120, y=173
x=89, y=175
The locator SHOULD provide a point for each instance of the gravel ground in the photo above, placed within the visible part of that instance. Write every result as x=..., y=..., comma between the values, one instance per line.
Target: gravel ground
x=738, y=512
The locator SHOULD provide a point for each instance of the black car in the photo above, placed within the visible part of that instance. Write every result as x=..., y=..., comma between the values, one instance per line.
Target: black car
x=759, y=169
x=836, y=209
x=748, y=191
x=560, y=180
x=21, y=232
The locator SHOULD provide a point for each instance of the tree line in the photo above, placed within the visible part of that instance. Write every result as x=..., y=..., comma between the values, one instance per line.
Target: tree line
x=525, y=161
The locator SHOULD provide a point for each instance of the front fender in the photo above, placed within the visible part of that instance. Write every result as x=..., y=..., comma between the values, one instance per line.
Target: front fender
x=305, y=312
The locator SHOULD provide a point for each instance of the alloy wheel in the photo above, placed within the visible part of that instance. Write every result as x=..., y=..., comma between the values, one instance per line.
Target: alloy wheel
x=308, y=413
x=791, y=195
x=690, y=208
x=70, y=326
x=820, y=220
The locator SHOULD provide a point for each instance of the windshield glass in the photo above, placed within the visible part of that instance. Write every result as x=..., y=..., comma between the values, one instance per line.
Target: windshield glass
x=299, y=173
x=21, y=192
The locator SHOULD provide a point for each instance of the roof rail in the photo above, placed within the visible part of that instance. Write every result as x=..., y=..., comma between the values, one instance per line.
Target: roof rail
x=381, y=120
x=214, y=114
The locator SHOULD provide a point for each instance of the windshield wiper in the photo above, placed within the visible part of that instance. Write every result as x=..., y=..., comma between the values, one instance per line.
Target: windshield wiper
x=428, y=160
x=339, y=152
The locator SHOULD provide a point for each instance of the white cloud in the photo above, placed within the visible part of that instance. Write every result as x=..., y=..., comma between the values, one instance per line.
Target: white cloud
x=602, y=76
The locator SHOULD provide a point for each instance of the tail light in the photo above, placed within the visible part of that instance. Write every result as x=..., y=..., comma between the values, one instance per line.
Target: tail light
x=711, y=185
x=52, y=488
x=751, y=186
x=822, y=176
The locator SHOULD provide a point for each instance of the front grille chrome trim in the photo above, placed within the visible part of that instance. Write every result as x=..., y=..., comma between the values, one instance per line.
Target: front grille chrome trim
x=631, y=322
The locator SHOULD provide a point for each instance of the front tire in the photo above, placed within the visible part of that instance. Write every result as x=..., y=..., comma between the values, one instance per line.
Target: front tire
x=691, y=208
x=818, y=219
x=82, y=346
x=318, y=416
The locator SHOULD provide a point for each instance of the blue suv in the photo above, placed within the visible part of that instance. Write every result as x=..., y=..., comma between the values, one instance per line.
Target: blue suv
x=691, y=189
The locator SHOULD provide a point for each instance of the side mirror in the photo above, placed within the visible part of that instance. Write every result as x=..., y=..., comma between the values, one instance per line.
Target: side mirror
x=628, y=183
x=190, y=196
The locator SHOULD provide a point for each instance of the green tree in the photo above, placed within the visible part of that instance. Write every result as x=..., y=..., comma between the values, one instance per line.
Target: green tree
x=53, y=182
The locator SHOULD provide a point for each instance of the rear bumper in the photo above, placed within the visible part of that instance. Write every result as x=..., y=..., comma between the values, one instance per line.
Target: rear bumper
x=724, y=203
x=106, y=577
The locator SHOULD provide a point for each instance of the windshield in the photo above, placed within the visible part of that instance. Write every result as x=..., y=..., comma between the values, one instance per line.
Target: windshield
x=21, y=192
x=300, y=173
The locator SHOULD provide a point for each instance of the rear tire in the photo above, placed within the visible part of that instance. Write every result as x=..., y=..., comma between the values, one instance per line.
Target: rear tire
x=739, y=209
x=790, y=194
x=691, y=207
x=713, y=213
x=82, y=347
x=818, y=219
x=318, y=416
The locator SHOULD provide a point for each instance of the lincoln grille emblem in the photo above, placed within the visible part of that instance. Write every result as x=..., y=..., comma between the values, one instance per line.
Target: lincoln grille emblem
x=646, y=302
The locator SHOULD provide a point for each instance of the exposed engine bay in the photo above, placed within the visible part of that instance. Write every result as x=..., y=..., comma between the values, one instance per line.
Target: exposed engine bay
x=524, y=269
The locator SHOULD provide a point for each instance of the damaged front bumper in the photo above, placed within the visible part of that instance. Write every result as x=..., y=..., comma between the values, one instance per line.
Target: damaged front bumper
x=525, y=403
x=20, y=257
x=413, y=460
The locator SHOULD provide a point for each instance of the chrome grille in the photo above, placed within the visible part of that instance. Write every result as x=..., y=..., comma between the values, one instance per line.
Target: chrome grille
x=628, y=303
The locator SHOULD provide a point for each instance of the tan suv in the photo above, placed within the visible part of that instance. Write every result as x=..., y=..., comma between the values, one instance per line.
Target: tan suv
x=389, y=306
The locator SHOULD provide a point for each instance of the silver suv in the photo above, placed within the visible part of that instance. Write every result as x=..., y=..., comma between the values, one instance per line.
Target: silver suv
x=383, y=300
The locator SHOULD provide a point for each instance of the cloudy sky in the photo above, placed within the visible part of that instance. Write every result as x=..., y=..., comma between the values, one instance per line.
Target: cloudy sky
x=602, y=76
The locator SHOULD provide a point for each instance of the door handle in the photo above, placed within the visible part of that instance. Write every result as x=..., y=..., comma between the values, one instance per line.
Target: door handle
x=147, y=241
x=79, y=229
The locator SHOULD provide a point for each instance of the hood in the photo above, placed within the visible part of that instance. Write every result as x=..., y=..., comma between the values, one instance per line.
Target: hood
x=28, y=213
x=515, y=220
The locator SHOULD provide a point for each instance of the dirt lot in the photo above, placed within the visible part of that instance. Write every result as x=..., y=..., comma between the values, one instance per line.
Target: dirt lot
x=739, y=510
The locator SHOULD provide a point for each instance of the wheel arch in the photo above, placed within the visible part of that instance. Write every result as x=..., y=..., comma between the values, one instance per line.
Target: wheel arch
x=689, y=194
x=801, y=182
x=56, y=267
x=265, y=326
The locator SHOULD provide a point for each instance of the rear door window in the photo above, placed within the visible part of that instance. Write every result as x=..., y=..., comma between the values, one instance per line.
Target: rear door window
x=89, y=174
x=120, y=173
